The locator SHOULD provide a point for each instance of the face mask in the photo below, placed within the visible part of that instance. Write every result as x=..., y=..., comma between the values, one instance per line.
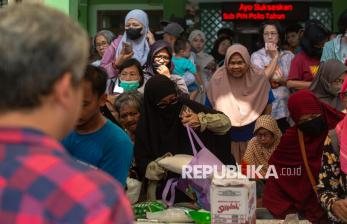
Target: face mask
x=133, y=33
x=129, y=85
x=314, y=127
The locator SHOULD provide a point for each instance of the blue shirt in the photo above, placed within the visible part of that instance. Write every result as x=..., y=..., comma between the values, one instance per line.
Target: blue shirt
x=243, y=133
x=109, y=149
x=182, y=65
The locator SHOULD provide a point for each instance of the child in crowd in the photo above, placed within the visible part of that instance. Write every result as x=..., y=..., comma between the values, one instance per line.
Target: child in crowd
x=186, y=68
x=293, y=36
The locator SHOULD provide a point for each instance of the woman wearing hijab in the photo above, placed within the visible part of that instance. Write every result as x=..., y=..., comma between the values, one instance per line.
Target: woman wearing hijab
x=332, y=185
x=205, y=62
x=220, y=48
x=328, y=81
x=260, y=148
x=159, y=62
x=134, y=43
x=161, y=128
x=242, y=92
x=313, y=119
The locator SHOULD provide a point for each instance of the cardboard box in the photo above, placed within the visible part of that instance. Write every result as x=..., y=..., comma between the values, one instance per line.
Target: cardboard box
x=233, y=204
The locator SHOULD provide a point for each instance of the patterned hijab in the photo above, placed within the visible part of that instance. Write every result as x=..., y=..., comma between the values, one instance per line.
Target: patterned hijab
x=256, y=154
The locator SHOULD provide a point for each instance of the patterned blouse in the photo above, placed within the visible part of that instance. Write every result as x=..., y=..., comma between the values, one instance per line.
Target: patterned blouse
x=332, y=182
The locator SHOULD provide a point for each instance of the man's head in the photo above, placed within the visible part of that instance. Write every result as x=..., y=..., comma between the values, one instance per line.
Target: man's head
x=171, y=32
x=44, y=53
x=293, y=35
x=94, y=97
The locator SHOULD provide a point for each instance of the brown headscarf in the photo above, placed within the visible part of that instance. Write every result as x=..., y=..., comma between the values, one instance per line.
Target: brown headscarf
x=256, y=154
x=321, y=86
x=242, y=99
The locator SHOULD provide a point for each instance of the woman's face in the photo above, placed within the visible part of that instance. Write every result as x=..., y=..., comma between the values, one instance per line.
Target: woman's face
x=130, y=74
x=223, y=47
x=237, y=67
x=129, y=115
x=270, y=34
x=337, y=84
x=162, y=57
x=265, y=137
x=198, y=43
x=133, y=23
x=101, y=45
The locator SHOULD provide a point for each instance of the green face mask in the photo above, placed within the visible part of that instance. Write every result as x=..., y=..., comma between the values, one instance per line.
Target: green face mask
x=129, y=85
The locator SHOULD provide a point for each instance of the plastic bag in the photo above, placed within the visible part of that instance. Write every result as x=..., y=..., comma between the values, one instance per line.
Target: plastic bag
x=200, y=217
x=133, y=190
x=140, y=209
x=170, y=215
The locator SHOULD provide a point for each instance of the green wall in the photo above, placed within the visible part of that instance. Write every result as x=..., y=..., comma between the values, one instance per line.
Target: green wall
x=338, y=7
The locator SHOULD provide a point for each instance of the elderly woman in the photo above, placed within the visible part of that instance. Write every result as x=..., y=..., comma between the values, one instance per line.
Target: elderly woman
x=328, y=81
x=161, y=128
x=159, y=62
x=134, y=43
x=297, y=159
x=101, y=42
x=128, y=107
x=130, y=77
x=243, y=93
x=260, y=148
x=276, y=63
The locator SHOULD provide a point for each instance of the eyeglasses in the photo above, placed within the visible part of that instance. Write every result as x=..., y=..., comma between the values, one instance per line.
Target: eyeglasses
x=163, y=57
x=273, y=34
x=263, y=135
x=338, y=81
x=163, y=105
x=104, y=43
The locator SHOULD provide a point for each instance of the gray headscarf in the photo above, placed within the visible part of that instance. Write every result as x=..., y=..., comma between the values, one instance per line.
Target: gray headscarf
x=322, y=87
x=140, y=46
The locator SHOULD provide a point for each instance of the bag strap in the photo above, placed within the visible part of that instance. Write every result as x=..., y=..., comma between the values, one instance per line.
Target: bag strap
x=170, y=185
x=197, y=139
x=304, y=157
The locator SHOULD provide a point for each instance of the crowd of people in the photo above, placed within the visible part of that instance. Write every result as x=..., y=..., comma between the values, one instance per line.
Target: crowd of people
x=75, y=126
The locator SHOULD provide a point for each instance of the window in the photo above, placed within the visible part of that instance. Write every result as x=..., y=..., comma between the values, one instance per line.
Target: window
x=114, y=20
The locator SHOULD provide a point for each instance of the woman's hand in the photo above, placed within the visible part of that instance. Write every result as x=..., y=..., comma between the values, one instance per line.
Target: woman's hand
x=339, y=208
x=191, y=119
x=123, y=56
x=163, y=70
x=271, y=48
x=150, y=38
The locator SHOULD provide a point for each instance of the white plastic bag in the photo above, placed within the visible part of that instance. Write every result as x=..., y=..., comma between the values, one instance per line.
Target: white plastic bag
x=133, y=190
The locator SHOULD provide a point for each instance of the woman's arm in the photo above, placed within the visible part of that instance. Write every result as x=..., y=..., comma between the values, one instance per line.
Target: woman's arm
x=296, y=84
x=217, y=123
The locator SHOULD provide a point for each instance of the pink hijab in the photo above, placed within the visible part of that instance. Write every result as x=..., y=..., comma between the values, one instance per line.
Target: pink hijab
x=341, y=131
x=243, y=99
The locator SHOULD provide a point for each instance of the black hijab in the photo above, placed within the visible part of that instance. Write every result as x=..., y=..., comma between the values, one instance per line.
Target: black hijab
x=160, y=130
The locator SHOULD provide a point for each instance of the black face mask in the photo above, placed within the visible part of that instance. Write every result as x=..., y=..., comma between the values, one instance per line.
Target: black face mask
x=314, y=127
x=133, y=33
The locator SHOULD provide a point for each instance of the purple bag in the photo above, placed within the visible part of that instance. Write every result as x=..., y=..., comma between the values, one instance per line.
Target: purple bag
x=200, y=187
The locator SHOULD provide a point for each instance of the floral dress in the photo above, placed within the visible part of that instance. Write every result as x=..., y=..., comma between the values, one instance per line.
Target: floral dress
x=332, y=182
